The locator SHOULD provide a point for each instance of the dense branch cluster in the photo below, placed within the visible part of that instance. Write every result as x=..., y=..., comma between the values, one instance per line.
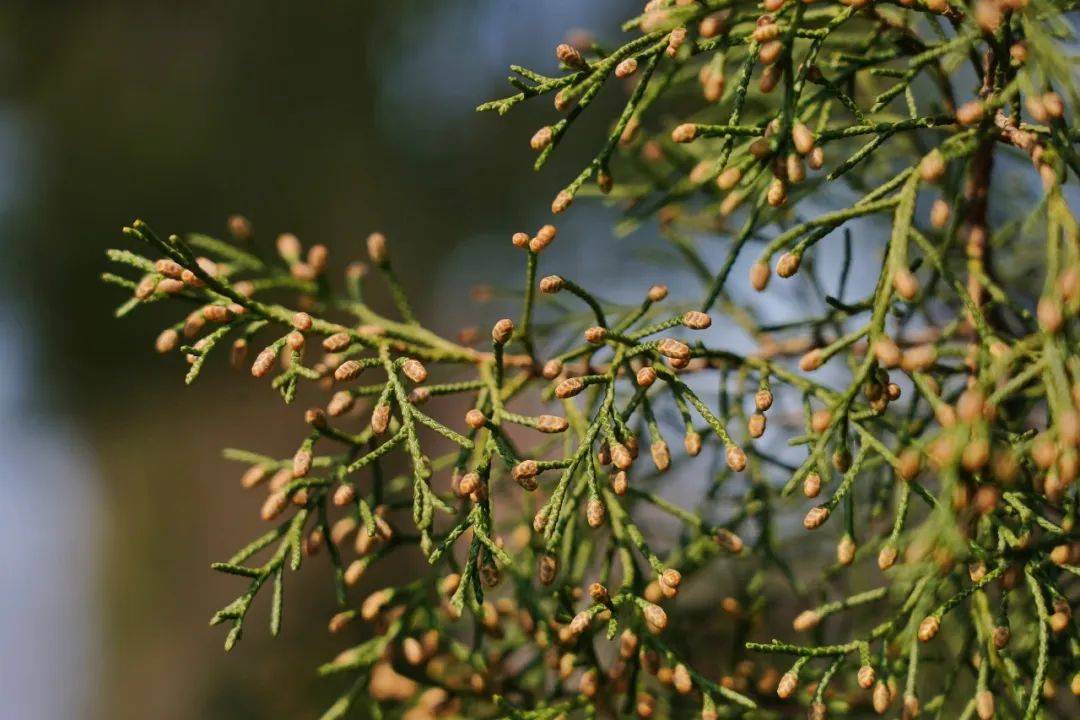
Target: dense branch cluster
x=931, y=426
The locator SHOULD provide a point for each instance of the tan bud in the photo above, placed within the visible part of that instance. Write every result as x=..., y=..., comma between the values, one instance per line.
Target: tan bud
x=816, y=517
x=252, y=476
x=812, y=360
x=940, y=213
x=756, y=425
x=684, y=133
x=1001, y=636
x=759, y=275
x=569, y=387
x=887, y=352
x=167, y=341
x=657, y=293
x=681, y=679
x=909, y=465
x=1055, y=107
x=729, y=541
x=919, y=358
x=302, y=321
x=544, y=237
x=525, y=469
x=796, y=172
x=970, y=113
x=802, y=138
x=316, y=418
x=1050, y=316
x=551, y=424
x=475, y=419
x=906, y=284
x=340, y=403
x=621, y=456
x=295, y=340
x=696, y=320
x=674, y=349
x=414, y=370
x=620, y=483
x=263, y=362
x=340, y=620
x=273, y=506
x=378, y=248
x=788, y=264
x=881, y=698
x=628, y=644
x=380, y=419
x=168, y=268
x=661, y=457
x=337, y=342
x=887, y=557
x=932, y=166
x=646, y=376
x=468, y=484
x=561, y=202
x=777, y=193
x=540, y=140
x=787, y=686
x=820, y=420
x=655, y=618
x=344, y=494
x=845, y=550
x=569, y=55
x=216, y=313
x=374, y=603
x=596, y=335
x=288, y=247
x=502, y=331
x=692, y=443
x=675, y=40
x=806, y=620
x=729, y=178
x=770, y=52
x=552, y=369
x=736, y=458
x=551, y=284
x=348, y=370
x=301, y=463
x=626, y=68
x=589, y=685
x=928, y=628
x=317, y=257
x=595, y=513
x=547, y=568
x=766, y=32
x=239, y=227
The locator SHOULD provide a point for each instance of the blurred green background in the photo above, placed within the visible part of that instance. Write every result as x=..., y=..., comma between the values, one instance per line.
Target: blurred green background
x=327, y=119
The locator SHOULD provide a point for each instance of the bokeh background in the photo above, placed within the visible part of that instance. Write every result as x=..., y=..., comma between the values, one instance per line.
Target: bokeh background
x=327, y=119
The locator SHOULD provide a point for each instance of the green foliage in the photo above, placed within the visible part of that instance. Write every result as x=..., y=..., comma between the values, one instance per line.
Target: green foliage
x=932, y=423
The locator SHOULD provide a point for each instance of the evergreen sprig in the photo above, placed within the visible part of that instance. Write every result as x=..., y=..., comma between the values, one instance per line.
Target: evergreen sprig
x=931, y=141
